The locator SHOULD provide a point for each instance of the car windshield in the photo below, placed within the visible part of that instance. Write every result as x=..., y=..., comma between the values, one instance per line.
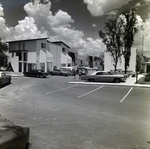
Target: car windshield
x=39, y=70
x=110, y=73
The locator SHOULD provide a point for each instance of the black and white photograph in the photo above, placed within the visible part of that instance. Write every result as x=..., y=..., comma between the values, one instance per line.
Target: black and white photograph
x=74, y=74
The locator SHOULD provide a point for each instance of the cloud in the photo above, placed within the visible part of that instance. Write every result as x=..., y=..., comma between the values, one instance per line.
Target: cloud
x=142, y=38
x=112, y=13
x=99, y=7
x=94, y=25
x=40, y=22
x=26, y=29
x=4, y=30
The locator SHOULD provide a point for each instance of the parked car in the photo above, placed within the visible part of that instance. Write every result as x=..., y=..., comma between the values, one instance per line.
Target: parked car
x=104, y=76
x=36, y=73
x=12, y=136
x=4, y=79
x=60, y=72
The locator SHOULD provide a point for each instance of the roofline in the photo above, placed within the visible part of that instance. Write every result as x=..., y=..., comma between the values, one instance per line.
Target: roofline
x=55, y=42
x=27, y=40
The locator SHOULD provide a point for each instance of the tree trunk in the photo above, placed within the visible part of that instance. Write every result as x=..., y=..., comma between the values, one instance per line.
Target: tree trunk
x=125, y=65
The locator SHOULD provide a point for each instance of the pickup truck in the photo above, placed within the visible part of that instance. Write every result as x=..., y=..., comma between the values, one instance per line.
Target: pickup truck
x=36, y=73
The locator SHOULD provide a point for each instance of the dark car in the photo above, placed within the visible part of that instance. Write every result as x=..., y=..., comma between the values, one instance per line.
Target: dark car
x=4, y=79
x=12, y=136
x=36, y=73
x=60, y=72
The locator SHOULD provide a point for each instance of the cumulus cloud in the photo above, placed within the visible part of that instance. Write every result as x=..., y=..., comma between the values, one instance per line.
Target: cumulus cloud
x=26, y=29
x=94, y=47
x=40, y=22
x=143, y=35
x=4, y=30
x=93, y=25
x=99, y=7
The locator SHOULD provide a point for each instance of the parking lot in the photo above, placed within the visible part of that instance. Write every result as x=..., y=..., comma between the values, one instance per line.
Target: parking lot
x=77, y=116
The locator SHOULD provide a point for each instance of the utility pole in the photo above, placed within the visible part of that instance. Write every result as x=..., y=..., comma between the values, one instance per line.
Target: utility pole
x=142, y=47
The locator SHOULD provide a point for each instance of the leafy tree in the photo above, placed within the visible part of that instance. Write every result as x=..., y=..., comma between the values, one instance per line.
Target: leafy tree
x=3, y=56
x=130, y=29
x=112, y=38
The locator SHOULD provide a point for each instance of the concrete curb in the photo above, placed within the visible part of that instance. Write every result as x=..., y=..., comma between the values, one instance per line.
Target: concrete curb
x=111, y=84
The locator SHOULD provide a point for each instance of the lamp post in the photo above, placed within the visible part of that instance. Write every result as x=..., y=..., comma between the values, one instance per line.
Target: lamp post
x=142, y=47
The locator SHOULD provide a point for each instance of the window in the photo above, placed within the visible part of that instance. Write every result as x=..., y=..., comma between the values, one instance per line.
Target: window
x=101, y=73
x=20, y=67
x=43, y=45
x=21, y=46
x=63, y=50
x=25, y=56
x=25, y=66
x=20, y=56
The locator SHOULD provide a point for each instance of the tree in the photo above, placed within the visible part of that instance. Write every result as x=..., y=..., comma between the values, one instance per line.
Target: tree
x=112, y=38
x=3, y=56
x=130, y=30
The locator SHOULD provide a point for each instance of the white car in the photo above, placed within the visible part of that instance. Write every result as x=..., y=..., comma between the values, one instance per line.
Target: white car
x=104, y=76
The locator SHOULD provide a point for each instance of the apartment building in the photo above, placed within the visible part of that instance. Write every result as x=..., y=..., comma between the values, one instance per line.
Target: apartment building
x=39, y=53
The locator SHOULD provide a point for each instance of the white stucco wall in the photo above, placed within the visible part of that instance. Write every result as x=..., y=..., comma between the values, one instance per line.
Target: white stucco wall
x=56, y=51
x=108, y=62
x=15, y=63
x=31, y=57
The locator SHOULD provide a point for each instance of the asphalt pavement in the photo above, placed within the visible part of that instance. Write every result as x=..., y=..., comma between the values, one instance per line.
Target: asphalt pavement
x=66, y=116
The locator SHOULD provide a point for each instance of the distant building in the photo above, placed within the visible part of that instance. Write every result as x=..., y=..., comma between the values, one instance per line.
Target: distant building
x=91, y=61
x=40, y=53
x=69, y=53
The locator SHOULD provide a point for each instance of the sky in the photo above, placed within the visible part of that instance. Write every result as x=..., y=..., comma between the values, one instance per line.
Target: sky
x=75, y=22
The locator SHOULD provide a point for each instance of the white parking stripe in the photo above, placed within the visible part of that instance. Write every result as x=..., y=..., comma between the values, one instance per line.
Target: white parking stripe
x=61, y=89
x=126, y=94
x=90, y=92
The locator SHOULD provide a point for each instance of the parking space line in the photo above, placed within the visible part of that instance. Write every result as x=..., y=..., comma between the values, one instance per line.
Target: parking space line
x=90, y=92
x=61, y=89
x=126, y=94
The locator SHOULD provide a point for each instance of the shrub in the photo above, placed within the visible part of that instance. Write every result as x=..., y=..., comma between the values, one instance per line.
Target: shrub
x=147, y=77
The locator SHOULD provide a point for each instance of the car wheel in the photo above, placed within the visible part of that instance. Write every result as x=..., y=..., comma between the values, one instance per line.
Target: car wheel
x=38, y=76
x=9, y=82
x=91, y=80
x=116, y=80
x=0, y=84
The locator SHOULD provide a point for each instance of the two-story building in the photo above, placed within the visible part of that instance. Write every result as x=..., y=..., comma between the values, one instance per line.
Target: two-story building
x=40, y=53
x=109, y=63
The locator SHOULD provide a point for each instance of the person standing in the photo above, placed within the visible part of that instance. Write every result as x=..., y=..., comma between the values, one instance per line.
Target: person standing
x=74, y=73
x=80, y=74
